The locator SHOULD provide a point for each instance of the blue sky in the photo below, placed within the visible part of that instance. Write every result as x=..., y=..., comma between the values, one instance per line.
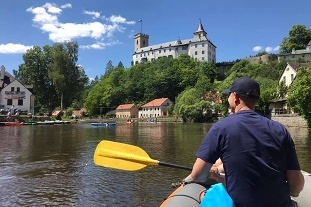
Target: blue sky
x=104, y=29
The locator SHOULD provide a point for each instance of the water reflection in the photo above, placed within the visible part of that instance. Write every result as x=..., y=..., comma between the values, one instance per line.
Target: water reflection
x=53, y=165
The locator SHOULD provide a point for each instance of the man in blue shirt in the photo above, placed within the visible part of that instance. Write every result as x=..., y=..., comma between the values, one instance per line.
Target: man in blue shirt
x=258, y=154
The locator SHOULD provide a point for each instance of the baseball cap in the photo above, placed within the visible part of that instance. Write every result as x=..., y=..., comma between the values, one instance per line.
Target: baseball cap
x=244, y=86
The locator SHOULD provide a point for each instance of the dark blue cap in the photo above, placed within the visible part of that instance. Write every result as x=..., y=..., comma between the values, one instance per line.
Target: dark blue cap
x=244, y=86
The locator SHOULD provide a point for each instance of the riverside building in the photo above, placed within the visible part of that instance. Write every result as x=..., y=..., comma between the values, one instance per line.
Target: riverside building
x=199, y=47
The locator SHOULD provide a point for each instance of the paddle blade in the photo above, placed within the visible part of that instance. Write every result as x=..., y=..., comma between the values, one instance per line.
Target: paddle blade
x=121, y=156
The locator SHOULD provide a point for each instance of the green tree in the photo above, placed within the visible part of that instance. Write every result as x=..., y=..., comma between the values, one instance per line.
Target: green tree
x=299, y=37
x=191, y=107
x=299, y=94
x=34, y=71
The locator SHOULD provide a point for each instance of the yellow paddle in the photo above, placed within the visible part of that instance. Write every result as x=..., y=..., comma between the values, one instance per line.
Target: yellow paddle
x=126, y=157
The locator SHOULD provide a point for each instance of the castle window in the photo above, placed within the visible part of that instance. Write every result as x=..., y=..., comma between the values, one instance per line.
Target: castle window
x=136, y=42
x=202, y=51
x=202, y=58
x=184, y=48
x=292, y=77
x=164, y=50
x=195, y=53
x=202, y=44
x=159, y=51
x=195, y=45
x=144, y=43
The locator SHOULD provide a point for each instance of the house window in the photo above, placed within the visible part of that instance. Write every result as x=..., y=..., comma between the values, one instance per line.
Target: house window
x=164, y=50
x=284, y=79
x=292, y=77
x=195, y=53
x=12, y=88
x=202, y=44
x=9, y=102
x=159, y=51
x=203, y=52
x=20, y=102
x=18, y=89
x=195, y=45
x=202, y=58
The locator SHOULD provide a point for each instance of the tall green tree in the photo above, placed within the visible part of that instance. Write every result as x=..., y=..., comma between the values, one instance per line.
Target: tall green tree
x=34, y=71
x=66, y=75
x=299, y=37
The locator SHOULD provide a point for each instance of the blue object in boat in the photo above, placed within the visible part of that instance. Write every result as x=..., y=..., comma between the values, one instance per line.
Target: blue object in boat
x=217, y=195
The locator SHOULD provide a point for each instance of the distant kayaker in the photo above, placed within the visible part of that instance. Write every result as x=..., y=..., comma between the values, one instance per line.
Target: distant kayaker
x=258, y=154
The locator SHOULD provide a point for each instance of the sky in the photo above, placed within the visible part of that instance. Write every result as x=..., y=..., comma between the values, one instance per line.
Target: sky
x=104, y=30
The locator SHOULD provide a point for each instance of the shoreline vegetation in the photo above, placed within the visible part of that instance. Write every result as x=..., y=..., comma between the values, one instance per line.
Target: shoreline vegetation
x=289, y=120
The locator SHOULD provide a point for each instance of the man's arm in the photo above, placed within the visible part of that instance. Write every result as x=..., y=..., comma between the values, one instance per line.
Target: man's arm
x=295, y=181
x=200, y=171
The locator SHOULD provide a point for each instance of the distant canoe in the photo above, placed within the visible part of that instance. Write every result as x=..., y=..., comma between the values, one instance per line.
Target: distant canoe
x=102, y=124
x=30, y=123
x=13, y=123
x=46, y=122
x=112, y=123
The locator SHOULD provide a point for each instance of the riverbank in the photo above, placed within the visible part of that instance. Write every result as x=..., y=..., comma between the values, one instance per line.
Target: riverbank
x=289, y=120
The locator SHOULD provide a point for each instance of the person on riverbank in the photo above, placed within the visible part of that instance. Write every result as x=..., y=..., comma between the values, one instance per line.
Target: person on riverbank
x=258, y=154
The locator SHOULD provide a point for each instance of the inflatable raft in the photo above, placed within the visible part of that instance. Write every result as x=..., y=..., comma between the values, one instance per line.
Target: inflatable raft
x=192, y=194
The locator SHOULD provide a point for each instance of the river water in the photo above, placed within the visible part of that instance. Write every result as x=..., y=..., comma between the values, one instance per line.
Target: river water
x=53, y=165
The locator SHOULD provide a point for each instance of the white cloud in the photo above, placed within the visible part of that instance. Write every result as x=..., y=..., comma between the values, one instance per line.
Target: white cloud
x=12, y=48
x=95, y=15
x=276, y=48
x=46, y=18
x=268, y=49
x=99, y=45
x=66, y=6
x=257, y=48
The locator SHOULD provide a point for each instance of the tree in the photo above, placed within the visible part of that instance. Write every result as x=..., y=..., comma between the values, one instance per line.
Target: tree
x=191, y=107
x=109, y=67
x=34, y=71
x=299, y=94
x=299, y=37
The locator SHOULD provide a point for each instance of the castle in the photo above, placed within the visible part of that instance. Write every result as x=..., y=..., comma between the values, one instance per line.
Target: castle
x=199, y=47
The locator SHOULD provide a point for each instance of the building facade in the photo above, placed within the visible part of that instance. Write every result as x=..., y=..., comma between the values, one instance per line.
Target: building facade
x=199, y=47
x=16, y=95
x=295, y=55
x=127, y=111
x=155, y=108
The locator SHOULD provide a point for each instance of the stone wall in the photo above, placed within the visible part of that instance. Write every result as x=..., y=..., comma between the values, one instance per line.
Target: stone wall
x=290, y=120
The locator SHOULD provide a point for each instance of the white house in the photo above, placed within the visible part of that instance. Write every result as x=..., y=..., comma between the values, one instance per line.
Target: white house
x=155, y=108
x=199, y=47
x=15, y=94
x=290, y=71
x=288, y=76
x=295, y=55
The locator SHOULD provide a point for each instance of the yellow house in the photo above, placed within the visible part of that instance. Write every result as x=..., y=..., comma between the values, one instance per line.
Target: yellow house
x=127, y=111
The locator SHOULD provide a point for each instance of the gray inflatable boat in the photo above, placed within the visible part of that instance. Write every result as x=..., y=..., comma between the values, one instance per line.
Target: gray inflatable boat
x=192, y=194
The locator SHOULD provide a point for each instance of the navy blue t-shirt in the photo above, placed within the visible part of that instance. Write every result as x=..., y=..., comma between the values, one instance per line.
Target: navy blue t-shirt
x=256, y=153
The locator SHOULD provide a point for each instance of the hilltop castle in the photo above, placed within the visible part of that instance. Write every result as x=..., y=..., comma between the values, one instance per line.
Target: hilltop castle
x=199, y=47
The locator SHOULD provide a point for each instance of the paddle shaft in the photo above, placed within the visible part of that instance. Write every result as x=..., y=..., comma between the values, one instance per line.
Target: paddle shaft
x=174, y=166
